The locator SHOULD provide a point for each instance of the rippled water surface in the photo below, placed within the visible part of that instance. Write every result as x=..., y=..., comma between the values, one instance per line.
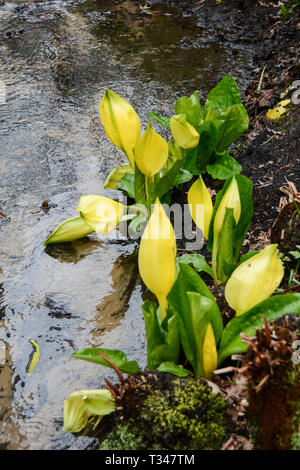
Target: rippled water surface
x=56, y=61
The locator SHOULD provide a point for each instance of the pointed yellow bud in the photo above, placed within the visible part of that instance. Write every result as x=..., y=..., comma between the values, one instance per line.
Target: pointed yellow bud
x=157, y=255
x=101, y=213
x=121, y=123
x=184, y=134
x=232, y=200
x=151, y=152
x=69, y=230
x=200, y=205
x=85, y=403
x=210, y=355
x=254, y=280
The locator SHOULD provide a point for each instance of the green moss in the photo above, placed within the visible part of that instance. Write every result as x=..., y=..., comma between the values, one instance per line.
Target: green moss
x=177, y=414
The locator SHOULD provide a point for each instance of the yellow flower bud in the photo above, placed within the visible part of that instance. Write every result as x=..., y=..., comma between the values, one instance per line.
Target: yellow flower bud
x=210, y=355
x=157, y=255
x=150, y=152
x=200, y=205
x=69, y=230
x=254, y=280
x=184, y=134
x=100, y=213
x=121, y=123
x=85, y=403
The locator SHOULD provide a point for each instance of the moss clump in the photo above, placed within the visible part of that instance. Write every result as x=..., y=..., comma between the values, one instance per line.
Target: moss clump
x=273, y=388
x=173, y=414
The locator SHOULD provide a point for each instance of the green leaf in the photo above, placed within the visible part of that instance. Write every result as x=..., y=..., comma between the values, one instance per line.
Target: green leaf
x=126, y=184
x=167, y=182
x=197, y=261
x=137, y=221
x=162, y=121
x=183, y=176
x=116, y=175
x=207, y=144
x=116, y=356
x=175, y=369
x=230, y=124
x=189, y=315
x=225, y=246
x=153, y=332
x=246, y=323
x=69, y=230
x=225, y=94
x=190, y=162
x=223, y=167
x=162, y=345
x=191, y=108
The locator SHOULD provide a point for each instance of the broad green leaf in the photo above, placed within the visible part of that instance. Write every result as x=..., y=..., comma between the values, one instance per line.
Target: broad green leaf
x=153, y=333
x=139, y=187
x=162, y=121
x=199, y=319
x=191, y=108
x=69, y=230
x=175, y=369
x=116, y=356
x=225, y=246
x=169, y=350
x=225, y=94
x=116, y=175
x=183, y=176
x=197, y=261
x=207, y=144
x=167, y=182
x=190, y=162
x=187, y=280
x=230, y=124
x=126, y=184
x=223, y=167
x=162, y=345
x=246, y=323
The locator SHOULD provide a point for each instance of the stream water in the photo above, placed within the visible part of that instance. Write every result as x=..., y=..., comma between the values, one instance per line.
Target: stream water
x=56, y=61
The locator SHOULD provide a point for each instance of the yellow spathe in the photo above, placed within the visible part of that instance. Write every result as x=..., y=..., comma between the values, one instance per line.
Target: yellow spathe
x=157, y=255
x=184, y=134
x=121, y=123
x=100, y=212
x=210, y=355
x=200, y=205
x=151, y=152
x=85, y=403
